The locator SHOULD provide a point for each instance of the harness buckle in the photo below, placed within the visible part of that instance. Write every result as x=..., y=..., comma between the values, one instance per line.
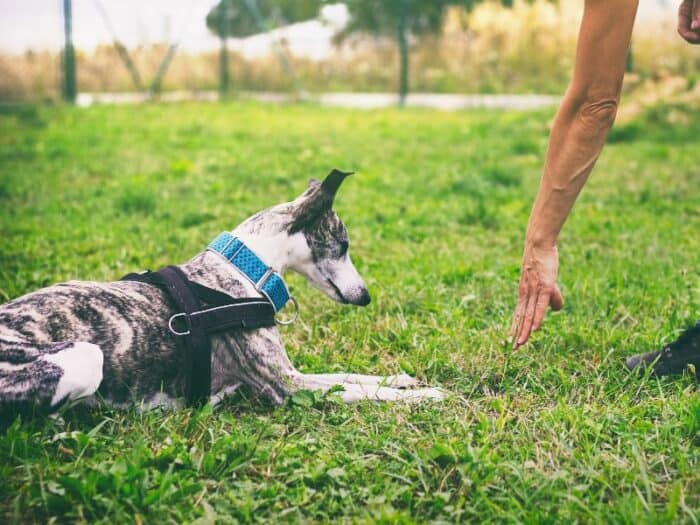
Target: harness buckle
x=187, y=324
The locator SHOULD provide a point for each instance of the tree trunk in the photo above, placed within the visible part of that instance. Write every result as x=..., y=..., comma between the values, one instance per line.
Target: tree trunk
x=223, y=68
x=403, y=55
x=224, y=30
x=69, y=84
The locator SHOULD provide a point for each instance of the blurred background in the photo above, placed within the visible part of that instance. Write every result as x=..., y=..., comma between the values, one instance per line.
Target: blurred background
x=359, y=53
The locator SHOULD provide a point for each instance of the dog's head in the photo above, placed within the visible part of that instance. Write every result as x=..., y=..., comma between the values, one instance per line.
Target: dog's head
x=314, y=239
x=324, y=257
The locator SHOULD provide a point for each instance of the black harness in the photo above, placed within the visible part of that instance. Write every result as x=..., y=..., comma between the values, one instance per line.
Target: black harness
x=203, y=311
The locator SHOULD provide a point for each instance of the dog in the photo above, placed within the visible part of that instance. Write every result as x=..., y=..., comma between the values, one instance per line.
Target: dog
x=110, y=341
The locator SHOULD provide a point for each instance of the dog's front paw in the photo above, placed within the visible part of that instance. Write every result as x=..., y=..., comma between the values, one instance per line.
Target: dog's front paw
x=433, y=393
x=420, y=394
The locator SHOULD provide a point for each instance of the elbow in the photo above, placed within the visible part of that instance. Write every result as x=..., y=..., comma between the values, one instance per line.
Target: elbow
x=597, y=113
x=600, y=111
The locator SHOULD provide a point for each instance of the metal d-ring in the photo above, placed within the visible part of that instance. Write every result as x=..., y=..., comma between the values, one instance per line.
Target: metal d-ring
x=295, y=315
x=172, y=327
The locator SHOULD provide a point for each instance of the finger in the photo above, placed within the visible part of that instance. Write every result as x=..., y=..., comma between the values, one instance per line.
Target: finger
x=695, y=20
x=519, y=311
x=692, y=37
x=685, y=20
x=518, y=315
x=526, y=325
x=684, y=15
x=517, y=319
x=689, y=37
x=556, y=300
x=540, y=310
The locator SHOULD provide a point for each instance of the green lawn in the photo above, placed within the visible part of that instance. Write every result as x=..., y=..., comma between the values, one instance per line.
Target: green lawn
x=556, y=432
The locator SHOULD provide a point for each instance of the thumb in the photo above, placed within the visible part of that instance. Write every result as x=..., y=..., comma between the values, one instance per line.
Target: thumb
x=556, y=301
x=695, y=16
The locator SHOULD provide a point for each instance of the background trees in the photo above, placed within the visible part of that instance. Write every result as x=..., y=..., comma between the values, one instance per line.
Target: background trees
x=242, y=18
x=399, y=19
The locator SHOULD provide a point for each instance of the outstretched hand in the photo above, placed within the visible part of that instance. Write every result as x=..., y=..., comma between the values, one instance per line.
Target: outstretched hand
x=689, y=21
x=537, y=291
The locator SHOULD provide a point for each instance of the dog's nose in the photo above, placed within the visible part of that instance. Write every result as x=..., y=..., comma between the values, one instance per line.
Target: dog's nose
x=364, y=298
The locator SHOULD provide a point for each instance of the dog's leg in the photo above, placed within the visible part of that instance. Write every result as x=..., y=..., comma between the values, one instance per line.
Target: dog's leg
x=260, y=362
x=354, y=392
x=223, y=394
x=46, y=375
x=395, y=381
x=371, y=390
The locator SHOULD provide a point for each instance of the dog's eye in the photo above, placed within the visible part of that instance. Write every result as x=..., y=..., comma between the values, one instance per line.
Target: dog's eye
x=344, y=245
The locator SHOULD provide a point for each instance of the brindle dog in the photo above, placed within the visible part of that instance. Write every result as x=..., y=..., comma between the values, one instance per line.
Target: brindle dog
x=73, y=340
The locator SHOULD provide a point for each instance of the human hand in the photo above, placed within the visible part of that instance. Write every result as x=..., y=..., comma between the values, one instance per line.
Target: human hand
x=537, y=290
x=689, y=21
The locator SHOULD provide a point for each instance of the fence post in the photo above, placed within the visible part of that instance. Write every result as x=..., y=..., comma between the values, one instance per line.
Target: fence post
x=69, y=83
x=224, y=29
x=403, y=53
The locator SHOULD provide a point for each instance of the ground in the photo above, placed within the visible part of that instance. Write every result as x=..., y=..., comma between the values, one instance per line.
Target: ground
x=555, y=432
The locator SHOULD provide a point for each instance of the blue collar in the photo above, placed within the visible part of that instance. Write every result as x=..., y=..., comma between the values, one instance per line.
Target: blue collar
x=265, y=279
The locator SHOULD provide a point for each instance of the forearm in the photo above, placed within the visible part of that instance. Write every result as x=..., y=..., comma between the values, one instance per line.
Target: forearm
x=577, y=138
x=585, y=115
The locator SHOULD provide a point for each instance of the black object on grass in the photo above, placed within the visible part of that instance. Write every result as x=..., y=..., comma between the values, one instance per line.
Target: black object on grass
x=672, y=358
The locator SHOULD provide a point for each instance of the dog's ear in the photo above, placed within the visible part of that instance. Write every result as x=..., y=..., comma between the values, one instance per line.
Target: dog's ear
x=313, y=185
x=317, y=199
x=333, y=181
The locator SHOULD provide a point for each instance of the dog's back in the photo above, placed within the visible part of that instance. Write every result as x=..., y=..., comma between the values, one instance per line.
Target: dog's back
x=54, y=340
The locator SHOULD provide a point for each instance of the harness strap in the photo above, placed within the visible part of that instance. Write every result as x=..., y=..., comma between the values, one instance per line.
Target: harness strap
x=197, y=342
x=221, y=318
x=193, y=324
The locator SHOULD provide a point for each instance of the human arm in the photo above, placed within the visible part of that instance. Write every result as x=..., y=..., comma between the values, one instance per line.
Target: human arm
x=578, y=133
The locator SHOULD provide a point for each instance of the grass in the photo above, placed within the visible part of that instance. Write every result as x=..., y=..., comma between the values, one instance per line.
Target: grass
x=556, y=432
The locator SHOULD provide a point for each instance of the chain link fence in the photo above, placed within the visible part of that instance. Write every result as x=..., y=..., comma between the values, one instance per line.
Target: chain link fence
x=135, y=50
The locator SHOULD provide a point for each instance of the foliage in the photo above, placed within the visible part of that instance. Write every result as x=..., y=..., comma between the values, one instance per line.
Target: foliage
x=557, y=432
x=383, y=17
x=241, y=19
x=397, y=18
x=401, y=18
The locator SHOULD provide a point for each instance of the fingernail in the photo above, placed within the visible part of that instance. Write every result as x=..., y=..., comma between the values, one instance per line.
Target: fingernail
x=695, y=25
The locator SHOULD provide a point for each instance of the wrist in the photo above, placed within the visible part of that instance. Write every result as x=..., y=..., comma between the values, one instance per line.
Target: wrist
x=540, y=241
x=543, y=226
